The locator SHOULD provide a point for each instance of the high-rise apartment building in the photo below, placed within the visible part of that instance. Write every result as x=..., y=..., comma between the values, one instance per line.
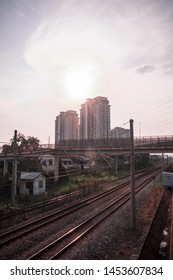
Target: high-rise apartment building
x=95, y=118
x=119, y=132
x=85, y=120
x=66, y=126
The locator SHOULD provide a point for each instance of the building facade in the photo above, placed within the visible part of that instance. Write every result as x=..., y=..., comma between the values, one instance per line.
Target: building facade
x=66, y=126
x=85, y=120
x=32, y=183
x=95, y=118
x=119, y=132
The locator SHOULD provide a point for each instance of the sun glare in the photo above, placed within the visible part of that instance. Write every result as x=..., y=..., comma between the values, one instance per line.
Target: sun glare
x=78, y=82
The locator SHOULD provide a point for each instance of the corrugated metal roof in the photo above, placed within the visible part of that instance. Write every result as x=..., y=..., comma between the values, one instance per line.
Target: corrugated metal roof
x=30, y=175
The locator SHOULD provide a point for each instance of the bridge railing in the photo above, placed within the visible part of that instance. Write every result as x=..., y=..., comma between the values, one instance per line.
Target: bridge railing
x=93, y=143
x=154, y=141
x=147, y=141
x=47, y=146
x=116, y=142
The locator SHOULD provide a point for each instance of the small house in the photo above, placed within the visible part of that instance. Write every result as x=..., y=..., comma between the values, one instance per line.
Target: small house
x=32, y=183
x=167, y=179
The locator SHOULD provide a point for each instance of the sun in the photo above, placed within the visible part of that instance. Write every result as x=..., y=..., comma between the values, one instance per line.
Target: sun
x=78, y=82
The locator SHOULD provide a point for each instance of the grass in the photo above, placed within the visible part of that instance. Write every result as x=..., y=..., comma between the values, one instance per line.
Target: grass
x=90, y=178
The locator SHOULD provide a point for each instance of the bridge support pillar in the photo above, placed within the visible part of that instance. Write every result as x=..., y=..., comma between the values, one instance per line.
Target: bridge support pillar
x=56, y=168
x=5, y=170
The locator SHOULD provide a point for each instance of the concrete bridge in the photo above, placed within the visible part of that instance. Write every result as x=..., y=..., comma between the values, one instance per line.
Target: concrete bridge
x=104, y=147
x=156, y=144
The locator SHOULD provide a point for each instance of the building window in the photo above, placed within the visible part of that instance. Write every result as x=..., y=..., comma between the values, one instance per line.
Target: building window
x=40, y=184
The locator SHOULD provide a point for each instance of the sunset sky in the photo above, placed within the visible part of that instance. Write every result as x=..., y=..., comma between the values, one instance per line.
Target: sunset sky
x=55, y=54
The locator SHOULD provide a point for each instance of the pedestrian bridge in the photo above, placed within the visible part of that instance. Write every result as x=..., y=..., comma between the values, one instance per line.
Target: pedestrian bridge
x=111, y=146
x=151, y=144
x=104, y=148
x=151, y=141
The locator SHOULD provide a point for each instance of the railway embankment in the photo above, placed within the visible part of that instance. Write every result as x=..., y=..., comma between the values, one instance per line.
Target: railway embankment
x=157, y=242
x=152, y=218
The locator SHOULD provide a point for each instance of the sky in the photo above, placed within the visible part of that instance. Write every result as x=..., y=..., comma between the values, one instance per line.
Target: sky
x=55, y=54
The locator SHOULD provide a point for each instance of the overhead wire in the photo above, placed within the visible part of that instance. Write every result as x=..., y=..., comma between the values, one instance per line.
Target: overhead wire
x=81, y=172
x=154, y=109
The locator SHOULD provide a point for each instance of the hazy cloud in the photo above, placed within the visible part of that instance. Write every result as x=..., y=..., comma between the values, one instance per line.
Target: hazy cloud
x=168, y=68
x=44, y=42
x=145, y=69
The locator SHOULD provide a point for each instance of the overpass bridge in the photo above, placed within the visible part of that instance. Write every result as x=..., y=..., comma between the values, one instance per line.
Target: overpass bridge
x=158, y=144
x=111, y=146
x=93, y=148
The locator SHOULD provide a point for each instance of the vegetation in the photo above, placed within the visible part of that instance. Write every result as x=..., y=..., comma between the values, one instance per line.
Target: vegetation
x=70, y=179
x=23, y=144
x=29, y=165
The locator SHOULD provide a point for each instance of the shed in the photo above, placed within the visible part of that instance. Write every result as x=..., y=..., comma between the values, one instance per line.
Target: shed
x=167, y=179
x=32, y=183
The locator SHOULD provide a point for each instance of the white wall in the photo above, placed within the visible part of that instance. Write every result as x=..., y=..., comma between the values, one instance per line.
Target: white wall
x=36, y=187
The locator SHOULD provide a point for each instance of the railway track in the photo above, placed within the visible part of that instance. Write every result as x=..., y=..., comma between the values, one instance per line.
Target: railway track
x=60, y=246
x=27, y=228
x=24, y=230
x=45, y=204
x=31, y=226
x=56, y=201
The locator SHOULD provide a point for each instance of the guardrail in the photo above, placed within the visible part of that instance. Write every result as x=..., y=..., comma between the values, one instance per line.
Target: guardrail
x=110, y=143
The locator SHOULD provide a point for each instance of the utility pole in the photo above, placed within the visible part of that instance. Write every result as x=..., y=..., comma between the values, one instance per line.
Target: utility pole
x=163, y=162
x=14, y=172
x=139, y=130
x=48, y=142
x=132, y=175
x=116, y=170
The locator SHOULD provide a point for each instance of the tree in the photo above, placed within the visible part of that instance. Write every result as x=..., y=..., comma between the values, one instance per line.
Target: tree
x=7, y=149
x=29, y=165
x=23, y=143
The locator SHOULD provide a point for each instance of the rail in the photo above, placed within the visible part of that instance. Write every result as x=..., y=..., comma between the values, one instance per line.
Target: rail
x=60, y=246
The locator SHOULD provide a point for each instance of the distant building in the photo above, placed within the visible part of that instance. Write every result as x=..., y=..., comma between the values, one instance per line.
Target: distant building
x=66, y=126
x=119, y=132
x=47, y=162
x=85, y=120
x=32, y=183
x=95, y=118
